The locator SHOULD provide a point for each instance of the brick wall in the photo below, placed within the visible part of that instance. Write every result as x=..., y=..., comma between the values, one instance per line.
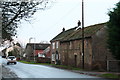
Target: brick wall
x=72, y=55
x=100, y=51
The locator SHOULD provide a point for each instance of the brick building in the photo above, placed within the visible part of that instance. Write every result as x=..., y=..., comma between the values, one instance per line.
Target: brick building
x=66, y=47
x=56, y=45
x=34, y=50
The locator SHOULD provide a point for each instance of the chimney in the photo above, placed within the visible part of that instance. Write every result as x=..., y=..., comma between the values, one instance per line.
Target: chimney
x=63, y=29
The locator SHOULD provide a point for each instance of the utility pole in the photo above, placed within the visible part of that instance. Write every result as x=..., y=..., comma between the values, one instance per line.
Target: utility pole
x=0, y=25
x=83, y=34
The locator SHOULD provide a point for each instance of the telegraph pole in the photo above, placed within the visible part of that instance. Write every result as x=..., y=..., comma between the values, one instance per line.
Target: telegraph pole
x=83, y=34
x=0, y=25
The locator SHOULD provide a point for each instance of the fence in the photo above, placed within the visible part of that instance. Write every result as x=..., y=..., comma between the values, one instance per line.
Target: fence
x=113, y=65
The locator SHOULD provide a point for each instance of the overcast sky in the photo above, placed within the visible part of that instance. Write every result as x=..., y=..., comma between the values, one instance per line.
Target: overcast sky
x=46, y=24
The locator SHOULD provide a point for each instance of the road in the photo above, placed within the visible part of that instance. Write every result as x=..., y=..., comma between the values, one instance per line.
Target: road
x=40, y=71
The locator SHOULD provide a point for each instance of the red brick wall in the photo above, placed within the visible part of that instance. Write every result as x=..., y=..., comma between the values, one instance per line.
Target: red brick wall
x=38, y=51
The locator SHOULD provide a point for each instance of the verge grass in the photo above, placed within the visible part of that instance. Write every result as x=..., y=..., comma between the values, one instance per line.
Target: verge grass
x=54, y=65
x=110, y=75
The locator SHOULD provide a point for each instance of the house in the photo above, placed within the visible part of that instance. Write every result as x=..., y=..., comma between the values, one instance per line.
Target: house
x=46, y=52
x=12, y=49
x=56, y=47
x=35, y=50
x=66, y=47
x=46, y=56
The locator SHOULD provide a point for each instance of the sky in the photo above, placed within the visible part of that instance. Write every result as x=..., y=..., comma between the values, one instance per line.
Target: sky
x=48, y=23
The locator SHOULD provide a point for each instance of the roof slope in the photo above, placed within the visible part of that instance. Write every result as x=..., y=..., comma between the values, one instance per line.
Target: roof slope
x=88, y=32
x=63, y=34
x=73, y=34
x=38, y=46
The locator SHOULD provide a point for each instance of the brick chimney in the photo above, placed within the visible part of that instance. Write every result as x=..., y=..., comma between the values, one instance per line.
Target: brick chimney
x=63, y=29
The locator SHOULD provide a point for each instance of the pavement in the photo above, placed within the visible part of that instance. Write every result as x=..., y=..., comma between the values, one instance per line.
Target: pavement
x=93, y=73
x=7, y=73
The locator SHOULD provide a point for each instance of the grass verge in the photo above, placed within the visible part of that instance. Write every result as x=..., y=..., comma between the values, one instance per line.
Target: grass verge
x=34, y=63
x=110, y=75
x=54, y=65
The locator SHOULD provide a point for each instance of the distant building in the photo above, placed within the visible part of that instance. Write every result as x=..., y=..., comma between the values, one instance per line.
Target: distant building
x=66, y=47
x=46, y=52
x=35, y=50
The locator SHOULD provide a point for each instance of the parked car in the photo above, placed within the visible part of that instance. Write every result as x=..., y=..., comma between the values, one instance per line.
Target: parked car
x=11, y=59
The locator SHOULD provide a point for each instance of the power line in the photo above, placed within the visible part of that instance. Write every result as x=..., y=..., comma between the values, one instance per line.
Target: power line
x=67, y=14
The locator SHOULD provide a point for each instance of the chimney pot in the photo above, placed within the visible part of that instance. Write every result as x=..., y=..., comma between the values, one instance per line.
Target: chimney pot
x=63, y=29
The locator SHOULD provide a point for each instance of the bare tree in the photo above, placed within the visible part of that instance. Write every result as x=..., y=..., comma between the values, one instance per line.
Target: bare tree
x=13, y=12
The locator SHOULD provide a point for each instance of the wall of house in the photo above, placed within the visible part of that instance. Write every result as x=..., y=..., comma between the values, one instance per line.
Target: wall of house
x=71, y=53
x=64, y=53
x=75, y=54
x=29, y=53
x=55, y=48
x=48, y=54
x=100, y=51
x=38, y=51
x=88, y=53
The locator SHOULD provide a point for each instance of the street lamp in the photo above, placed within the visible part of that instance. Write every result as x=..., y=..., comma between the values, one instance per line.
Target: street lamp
x=30, y=39
x=33, y=46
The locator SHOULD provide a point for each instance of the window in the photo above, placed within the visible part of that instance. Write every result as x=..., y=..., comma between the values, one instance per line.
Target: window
x=53, y=45
x=57, y=43
x=53, y=57
x=57, y=55
x=70, y=45
x=41, y=55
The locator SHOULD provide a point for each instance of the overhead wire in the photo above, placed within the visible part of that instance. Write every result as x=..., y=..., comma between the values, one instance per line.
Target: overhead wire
x=67, y=14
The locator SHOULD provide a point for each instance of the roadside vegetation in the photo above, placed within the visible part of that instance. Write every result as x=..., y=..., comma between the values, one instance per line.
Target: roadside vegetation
x=114, y=31
x=53, y=65
x=110, y=75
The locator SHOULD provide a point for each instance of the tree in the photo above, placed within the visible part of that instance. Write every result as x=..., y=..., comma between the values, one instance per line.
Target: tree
x=10, y=53
x=114, y=31
x=13, y=12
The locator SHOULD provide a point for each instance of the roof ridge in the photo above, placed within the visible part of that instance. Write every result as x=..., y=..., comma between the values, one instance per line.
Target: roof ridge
x=95, y=24
x=63, y=33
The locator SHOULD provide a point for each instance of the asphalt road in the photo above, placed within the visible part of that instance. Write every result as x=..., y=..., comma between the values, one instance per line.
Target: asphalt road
x=40, y=71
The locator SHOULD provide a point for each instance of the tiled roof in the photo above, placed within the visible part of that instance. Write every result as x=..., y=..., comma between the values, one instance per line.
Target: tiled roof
x=88, y=32
x=73, y=34
x=38, y=46
x=63, y=34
